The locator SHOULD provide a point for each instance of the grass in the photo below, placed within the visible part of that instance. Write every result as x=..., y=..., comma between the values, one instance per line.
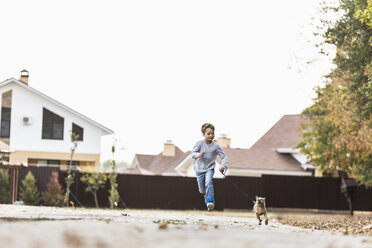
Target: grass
x=359, y=224
x=39, y=218
x=332, y=221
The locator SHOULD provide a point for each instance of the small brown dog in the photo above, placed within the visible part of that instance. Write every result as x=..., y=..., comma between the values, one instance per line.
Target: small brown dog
x=259, y=208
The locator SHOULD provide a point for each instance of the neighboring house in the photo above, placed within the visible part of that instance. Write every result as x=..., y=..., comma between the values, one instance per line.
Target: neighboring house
x=36, y=128
x=234, y=155
x=162, y=164
x=174, y=162
x=273, y=154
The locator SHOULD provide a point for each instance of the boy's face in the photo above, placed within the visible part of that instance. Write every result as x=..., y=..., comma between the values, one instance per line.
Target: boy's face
x=209, y=135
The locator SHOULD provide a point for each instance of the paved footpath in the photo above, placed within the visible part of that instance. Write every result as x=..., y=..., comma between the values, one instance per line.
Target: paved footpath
x=47, y=227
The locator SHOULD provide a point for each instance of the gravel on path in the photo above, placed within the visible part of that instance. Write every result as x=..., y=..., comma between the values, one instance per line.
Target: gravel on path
x=45, y=227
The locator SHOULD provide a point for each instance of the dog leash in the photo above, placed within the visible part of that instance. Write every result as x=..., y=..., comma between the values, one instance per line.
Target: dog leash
x=235, y=185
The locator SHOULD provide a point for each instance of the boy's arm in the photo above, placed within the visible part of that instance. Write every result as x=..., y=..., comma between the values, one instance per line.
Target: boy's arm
x=222, y=156
x=195, y=151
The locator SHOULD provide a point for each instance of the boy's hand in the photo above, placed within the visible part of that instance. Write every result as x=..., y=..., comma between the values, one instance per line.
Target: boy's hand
x=201, y=154
x=222, y=170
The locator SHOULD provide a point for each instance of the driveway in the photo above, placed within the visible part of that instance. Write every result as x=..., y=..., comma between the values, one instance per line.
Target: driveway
x=45, y=227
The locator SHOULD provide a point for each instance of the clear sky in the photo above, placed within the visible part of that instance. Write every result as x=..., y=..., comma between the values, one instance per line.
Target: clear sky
x=157, y=70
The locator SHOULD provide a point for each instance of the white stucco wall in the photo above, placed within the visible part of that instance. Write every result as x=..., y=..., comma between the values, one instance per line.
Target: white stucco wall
x=28, y=137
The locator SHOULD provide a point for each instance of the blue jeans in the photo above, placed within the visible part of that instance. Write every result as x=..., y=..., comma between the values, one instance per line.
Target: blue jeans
x=205, y=184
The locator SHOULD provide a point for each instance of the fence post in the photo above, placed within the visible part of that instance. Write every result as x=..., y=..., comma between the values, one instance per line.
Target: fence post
x=13, y=184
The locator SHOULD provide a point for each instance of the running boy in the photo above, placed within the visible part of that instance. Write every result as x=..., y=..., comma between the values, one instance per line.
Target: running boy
x=204, y=154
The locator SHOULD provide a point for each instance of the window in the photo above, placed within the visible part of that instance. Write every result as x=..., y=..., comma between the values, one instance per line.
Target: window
x=75, y=162
x=44, y=162
x=78, y=131
x=75, y=165
x=6, y=109
x=5, y=122
x=52, y=125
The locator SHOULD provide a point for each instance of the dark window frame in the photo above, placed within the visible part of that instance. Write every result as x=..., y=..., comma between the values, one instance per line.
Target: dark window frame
x=54, y=120
x=6, y=114
x=75, y=126
x=6, y=117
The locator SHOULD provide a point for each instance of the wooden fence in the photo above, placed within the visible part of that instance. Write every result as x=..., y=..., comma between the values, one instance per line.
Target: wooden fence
x=137, y=191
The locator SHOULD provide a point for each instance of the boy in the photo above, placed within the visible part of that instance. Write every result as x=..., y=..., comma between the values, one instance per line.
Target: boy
x=204, y=154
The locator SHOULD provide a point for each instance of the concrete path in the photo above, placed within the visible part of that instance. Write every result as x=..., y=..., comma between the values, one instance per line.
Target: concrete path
x=45, y=227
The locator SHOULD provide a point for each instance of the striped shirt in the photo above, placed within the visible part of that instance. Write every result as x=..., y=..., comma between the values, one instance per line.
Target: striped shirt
x=208, y=161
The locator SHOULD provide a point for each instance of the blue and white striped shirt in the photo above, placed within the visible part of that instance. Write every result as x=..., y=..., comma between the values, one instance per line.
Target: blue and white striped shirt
x=208, y=161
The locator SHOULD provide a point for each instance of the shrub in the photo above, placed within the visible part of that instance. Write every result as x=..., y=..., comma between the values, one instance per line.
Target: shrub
x=54, y=194
x=4, y=186
x=94, y=181
x=29, y=193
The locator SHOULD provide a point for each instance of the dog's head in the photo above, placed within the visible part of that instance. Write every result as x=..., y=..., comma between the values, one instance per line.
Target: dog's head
x=260, y=200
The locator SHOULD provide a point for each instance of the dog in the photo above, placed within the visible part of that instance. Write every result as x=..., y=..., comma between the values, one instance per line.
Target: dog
x=259, y=208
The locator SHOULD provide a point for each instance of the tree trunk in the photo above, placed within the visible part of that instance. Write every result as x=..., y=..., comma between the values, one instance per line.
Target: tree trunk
x=350, y=200
x=95, y=199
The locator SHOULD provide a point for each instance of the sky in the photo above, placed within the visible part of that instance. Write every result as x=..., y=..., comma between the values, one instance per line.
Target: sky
x=157, y=70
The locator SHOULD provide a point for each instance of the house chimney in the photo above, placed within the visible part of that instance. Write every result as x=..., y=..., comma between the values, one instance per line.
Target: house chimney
x=24, y=76
x=169, y=149
x=223, y=141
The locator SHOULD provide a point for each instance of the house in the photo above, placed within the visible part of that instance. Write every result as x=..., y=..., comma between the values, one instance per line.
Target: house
x=35, y=129
x=163, y=163
x=185, y=168
x=174, y=162
x=273, y=154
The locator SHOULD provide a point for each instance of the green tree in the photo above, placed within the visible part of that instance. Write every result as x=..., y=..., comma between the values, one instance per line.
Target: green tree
x=70, y=174
x=53, y=196
x=94, y=181
x=4, y=186
x=336, y=134
x=365, y=14
x=114, y=196
x=29, y=193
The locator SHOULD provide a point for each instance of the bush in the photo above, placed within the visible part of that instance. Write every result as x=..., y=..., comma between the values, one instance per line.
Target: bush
x=4, y=186
x=94, y=181
x=54, y=194
x=29, y=193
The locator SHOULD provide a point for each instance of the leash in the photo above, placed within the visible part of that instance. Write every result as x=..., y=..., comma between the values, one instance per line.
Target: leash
x=235, y=185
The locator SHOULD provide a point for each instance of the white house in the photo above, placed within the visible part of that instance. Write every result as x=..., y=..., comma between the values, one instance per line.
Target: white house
x=36, y=128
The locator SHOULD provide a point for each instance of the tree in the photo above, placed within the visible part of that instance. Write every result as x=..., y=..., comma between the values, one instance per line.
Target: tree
x=94, y=181
x=29, y=193
x=53, y=196
x=337, y=132
x=365, y=15
x=70, y=175
x=114, y=196
x=4, y=186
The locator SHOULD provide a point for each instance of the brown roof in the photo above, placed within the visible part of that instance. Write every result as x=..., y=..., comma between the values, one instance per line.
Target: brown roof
x=235, y=156
x=159, y=164
x=134, y=171
x=262, y=155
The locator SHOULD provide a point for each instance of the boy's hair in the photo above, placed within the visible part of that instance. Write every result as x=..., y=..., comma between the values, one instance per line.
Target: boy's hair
x=205, y=126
